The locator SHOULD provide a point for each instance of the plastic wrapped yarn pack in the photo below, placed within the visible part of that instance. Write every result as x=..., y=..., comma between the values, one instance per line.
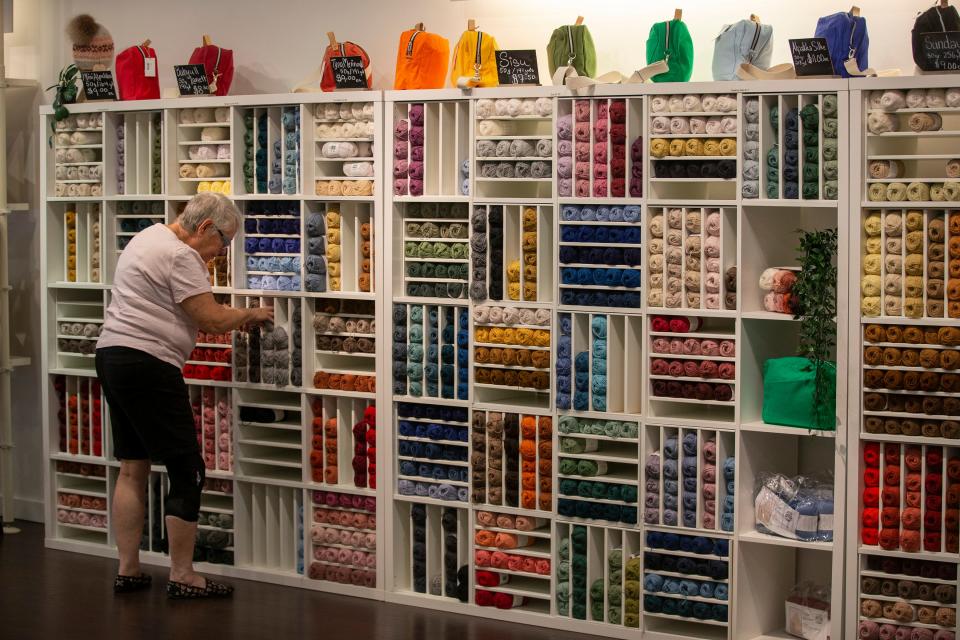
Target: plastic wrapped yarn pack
x=799, y=508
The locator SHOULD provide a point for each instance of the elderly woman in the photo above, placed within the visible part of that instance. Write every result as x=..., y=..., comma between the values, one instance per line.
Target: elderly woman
x=161, y=296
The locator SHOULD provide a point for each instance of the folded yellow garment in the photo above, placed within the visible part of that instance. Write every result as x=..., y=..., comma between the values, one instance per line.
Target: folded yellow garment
x=659, y=147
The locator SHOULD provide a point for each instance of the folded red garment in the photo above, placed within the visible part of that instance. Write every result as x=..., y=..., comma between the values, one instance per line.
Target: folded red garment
x=490, y=579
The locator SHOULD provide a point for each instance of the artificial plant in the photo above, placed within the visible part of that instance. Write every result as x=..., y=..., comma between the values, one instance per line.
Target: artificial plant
x=67, y=92
x=816, y=291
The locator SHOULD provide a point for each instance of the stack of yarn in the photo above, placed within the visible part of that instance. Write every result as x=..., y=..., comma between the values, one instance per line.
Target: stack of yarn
x=408, y=152
x=156, y=165
x=334, y=251
x=669, y=595
x=486, y=258
x=365, y=273
x=666, y=388
x=727, y=511
x=296, y=348
x=315, y=264
x=572, y=594
x=344, y=539
x=912, y=391
x=121, y=158
x=778, y=284
x=512, y=347
x=903, y=504
x=272, y=246
x=684, y=479
x=911, y=360
x=592, y=151
x=430, y=351
x=710, y=122
x=685, y=243
x=503, y=150
x=213, y=541
x=750, y=173
x=275, y=360
x=79, y=416
x=70, y=222
x=583, y=482
x=347, y=123
x=522, y=274
x=465, y=178
x=830, y=152
x=512, y=460
x=503, y=562
x=323, y=453
x=596, y=273
x=133, y=217
x=344, y=382
x=441, y=230
x=897, y=584
x=418, y=551
x=213, y=149
x=290, y=120
x=882, y=116
x=78, y=337
x=442, y=429
x=81, y=510
x=365, y=450
x=79, y=139
x=211, y=421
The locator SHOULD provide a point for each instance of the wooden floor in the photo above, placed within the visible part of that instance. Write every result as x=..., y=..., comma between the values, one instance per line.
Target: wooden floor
x=53, y=594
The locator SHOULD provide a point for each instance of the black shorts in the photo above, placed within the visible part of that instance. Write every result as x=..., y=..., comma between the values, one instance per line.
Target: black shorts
x=149, y=405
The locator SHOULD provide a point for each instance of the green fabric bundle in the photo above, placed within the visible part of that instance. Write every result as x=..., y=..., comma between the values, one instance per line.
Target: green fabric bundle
x=671, y=41
x=572, y=45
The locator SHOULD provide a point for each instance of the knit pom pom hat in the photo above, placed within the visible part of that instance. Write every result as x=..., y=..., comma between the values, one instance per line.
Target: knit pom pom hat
x=92, y=43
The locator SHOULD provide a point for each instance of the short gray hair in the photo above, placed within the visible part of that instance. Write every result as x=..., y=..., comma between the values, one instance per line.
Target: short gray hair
x=216, y=207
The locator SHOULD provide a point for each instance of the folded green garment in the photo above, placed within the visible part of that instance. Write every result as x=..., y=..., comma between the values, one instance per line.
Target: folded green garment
x=773, y=156
x=810, y=115
x=830, y=106
x=830, y=190
x=830, y=127
x=615, y=595
x=830, y=170
x=829, y=149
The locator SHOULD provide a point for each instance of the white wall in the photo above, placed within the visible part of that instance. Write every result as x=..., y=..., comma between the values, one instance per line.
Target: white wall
x=277, y=43
x=30, y=50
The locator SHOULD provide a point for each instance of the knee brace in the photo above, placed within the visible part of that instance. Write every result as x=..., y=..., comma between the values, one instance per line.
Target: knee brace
x=185, y=474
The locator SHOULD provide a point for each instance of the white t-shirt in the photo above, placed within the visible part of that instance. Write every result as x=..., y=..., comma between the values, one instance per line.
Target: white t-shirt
x=155, y=273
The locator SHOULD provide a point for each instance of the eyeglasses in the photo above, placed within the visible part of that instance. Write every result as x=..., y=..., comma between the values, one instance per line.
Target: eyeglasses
x=224, y=240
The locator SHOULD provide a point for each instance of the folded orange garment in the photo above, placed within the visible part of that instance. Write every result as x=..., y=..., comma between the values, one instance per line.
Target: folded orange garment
x=528, y=449
x=528, y=426
x=528, y=499
x=485, y=538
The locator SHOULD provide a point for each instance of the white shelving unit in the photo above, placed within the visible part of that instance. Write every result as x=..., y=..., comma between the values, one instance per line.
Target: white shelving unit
x=910, y=254
x=524, y=372
x=259, y=464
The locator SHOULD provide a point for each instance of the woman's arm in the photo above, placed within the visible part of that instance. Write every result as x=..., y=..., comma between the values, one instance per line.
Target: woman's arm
x=217, y=318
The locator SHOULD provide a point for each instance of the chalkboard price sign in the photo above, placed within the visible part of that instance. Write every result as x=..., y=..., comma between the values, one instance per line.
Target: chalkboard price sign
x=940, y=51
x=348, y=72
x=518, y=66
x=191, y=79
x=98, y=85
x=811, y=57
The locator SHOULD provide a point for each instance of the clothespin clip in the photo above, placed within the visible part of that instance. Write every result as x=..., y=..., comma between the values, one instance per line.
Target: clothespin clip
x=146, y=43
x=206, y=40
x=332, y=38
x=754, y=18
x=471, y=25
x=678, y=14
x=855, y=11
x=578, y=21
x=418, y=27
